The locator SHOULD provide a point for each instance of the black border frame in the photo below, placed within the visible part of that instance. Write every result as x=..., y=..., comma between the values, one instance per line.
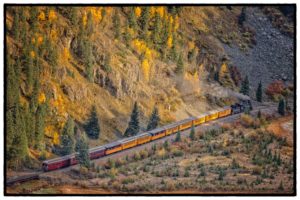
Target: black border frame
x=158, y=4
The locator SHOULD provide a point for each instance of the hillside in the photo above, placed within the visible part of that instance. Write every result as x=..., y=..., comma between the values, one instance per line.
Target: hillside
x=63, y=61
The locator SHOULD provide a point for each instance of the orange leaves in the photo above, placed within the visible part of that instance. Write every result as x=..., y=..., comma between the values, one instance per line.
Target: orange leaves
x=40, y=40
x=275, y=88
x=52, y=15
x=42, y=98
x=146, y=69
x=51, y=132
x=137, y=11
x=41, y=16
x=142, y=48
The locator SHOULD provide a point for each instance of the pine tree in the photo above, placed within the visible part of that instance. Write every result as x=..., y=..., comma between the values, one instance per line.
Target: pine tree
x=89, y=61
x=67, y=138
x=40, y=127
x=127, y=36
x=154, y=119
x=281, y=107
x=132, y=19
x=259, y=92
x=144, y=22
x=245, y=86
x=16, y=25
x=156, y=35
x=178, y=136
x=259, y=114
x=92, y=127
x=192, y=133
x=180, y=66
x=74, y=16
x=107, y=61
x=242, y=16
x=116, y=24
x=133, y=125
x=83, y=152
x=90, y=24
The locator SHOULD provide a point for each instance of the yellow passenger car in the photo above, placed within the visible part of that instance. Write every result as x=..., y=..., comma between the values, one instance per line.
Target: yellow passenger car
x=144, y=138
x=129, y=142
x=171, y=128
x=199, y=120
x=157, y=133
x=113, y=148
x=186, y=123
x=212, y=115
x=223, y=112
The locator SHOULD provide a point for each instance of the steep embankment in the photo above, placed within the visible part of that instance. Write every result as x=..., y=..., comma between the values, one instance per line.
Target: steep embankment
x=272, y=58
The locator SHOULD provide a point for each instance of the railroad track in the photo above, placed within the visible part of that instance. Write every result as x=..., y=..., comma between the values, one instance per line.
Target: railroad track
x=185, y=133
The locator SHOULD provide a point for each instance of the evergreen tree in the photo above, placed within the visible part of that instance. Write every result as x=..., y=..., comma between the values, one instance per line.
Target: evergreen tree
x=192, y=133
x=259, y=114
x=29, y=68
x=67, y=138
x=180, y=66
x=259, y=92
x=156, y=35
x=107, y=61
x=132, y=19
x=242, y=16
x=16, y=25
x=127, y=36
x=178, y=136
x=116, y=24
x=74, y=16
x=89, y=61
x=245, y=86
x=82, y=156
x=92, y=127
x=40, y=127
x=281, y=107
x=154, y=119
x=173, y=51
x=144, y=22
x=133, y=125
x=90, y=24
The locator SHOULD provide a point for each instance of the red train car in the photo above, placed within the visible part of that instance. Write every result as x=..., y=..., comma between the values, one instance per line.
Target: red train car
x=60, y=162
x=97, y=152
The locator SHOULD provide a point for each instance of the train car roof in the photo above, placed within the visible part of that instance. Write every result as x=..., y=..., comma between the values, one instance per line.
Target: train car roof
x=128, y=139
x=172, y=125
x=200, y=116
x=212, y=111
x=185, y=120
x=116, y=143
x=143, y=134
x=97, y=148
x=157, y=130
x=59, y=158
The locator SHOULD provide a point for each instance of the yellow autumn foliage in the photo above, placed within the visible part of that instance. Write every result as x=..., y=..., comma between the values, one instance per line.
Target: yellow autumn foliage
x=171, y=19
x=33, y=40
x=52, y=15
x=146, y=69
x=170, y=42
x=137, y=11
x=223, y=70
x=84, y=19
x=56, y=140
x=161, y=11
x=40, y=40
x=176, y=23
x=42, y=98
x=96, y=13
x=32, y=54
x=191, y=45
x=66, y=54
x=108, y=11
x=41, y=16
x=152, y=11
x=53, y=34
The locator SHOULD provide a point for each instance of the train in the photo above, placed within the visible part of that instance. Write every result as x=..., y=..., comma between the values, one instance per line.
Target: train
x=140, y=139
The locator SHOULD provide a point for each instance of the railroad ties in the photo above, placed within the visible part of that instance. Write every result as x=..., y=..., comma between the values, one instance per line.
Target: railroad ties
x=21, y=179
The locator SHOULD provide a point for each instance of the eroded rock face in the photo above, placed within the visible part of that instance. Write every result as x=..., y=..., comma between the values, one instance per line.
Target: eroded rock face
x=74, y=92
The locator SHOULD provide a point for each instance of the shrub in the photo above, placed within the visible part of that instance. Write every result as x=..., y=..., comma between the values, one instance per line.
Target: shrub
x=274, y=88
x=256, y=171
